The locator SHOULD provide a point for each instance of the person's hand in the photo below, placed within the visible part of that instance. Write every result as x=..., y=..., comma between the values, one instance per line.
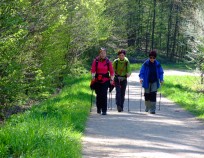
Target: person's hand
x=111, y=82
x=141, y=80
x=93, y=78
x=128, y=74
x=161, y=82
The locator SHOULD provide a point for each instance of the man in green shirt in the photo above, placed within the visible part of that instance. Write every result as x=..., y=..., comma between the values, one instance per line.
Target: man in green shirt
x=122, y=70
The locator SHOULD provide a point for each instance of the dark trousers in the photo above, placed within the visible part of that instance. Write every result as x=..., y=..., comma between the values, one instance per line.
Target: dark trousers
x=151, y=92
x=101, y=96
x=120, y=91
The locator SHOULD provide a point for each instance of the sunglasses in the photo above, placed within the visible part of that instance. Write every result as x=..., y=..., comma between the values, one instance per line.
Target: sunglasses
x=152, y=57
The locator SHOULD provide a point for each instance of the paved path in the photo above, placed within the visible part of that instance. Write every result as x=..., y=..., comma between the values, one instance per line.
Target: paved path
x=171, y=133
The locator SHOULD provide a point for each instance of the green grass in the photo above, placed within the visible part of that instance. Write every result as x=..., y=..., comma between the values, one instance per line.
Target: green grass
x=173, y=66
x=184, y=91
x=135, y=66
x=178, y=66
x=51, y=129
x=54, y=128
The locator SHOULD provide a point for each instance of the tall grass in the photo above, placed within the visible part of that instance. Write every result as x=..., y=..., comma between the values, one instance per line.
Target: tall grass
x=51, y=129
x=184, y=91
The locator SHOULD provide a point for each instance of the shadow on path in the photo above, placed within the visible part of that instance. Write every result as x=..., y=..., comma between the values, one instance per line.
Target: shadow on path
x=172, y=132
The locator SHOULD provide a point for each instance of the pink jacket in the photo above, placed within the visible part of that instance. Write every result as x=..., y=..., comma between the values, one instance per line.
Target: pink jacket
x=102, y=68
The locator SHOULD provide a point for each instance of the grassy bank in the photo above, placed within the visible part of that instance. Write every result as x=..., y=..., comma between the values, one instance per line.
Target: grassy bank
x=184, y=91
x=53, y=128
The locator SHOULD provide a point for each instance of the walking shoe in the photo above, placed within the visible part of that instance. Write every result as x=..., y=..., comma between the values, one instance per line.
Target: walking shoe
x=119, y=108
x=104, y=113
x=153, y=112
x=146, y=110
x=98, y=111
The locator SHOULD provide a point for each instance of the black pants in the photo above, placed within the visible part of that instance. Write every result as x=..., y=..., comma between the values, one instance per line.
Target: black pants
x=151, y=92
x=120, y=91
x=101, y=96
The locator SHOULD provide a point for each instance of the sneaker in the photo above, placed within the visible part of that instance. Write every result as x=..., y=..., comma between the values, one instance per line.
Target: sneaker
x=119, y=108
x=104, y=113
x=153, y=112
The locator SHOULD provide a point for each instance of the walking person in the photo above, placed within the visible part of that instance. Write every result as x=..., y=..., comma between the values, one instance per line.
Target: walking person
x=102, y=74
x=122, y=70
x=151, y=76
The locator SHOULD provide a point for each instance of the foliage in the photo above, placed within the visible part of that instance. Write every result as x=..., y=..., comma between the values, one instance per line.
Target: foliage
x=143, y=25
x=185, y=90
x=52, y=128
x=43, y=41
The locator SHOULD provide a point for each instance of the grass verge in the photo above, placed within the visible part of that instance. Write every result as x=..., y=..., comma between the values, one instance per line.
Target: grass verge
x=51, y=129
x=173, y=66
x=183, y=90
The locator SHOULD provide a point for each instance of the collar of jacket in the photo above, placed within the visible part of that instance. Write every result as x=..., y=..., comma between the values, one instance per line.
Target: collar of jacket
x=147, y=62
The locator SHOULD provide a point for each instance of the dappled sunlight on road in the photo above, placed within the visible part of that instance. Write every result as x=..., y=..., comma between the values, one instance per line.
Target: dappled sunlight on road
x=171, y=132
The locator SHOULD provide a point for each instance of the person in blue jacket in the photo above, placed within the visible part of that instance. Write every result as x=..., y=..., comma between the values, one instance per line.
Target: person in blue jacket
x=151, y=76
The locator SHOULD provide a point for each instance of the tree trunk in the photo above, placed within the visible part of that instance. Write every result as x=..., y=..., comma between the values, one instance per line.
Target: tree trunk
x=169, y=30
x=175, y=34
x=153, y=24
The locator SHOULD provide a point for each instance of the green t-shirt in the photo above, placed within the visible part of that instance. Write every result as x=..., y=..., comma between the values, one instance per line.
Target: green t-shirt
x=121, y=67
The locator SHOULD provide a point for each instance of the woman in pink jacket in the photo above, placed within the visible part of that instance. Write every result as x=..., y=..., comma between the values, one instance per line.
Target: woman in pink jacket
x=103, y=74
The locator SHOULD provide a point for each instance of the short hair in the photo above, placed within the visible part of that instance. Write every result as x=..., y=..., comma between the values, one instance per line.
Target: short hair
x=122, y=51
x=153, y=53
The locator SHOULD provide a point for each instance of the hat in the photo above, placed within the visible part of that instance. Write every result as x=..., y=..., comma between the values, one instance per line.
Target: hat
x=122, y=51
x=153, y=53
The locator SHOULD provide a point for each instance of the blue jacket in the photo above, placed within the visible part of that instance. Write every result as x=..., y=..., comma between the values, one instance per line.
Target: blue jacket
x=144, y=73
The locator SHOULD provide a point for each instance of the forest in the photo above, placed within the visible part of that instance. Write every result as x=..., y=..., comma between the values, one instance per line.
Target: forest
x=43, y=41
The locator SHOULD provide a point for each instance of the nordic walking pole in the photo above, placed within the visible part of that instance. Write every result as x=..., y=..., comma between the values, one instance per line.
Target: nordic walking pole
x=160, y=98
x=91, y=100
x=141, y=98
x=128, y=94
x=111, y=100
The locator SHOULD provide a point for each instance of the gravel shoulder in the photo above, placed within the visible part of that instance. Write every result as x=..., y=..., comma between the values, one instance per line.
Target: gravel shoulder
x=172, y=132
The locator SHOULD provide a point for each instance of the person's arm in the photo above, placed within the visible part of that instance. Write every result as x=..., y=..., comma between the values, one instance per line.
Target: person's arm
x=128, y=69
x=93, y=69
x=111, y=71
x=161, y=74
x=141, y=74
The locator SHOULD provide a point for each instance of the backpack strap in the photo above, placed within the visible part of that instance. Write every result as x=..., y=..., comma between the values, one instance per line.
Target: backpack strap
x=96, y=64
x=116, y=65
x=107, y=63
